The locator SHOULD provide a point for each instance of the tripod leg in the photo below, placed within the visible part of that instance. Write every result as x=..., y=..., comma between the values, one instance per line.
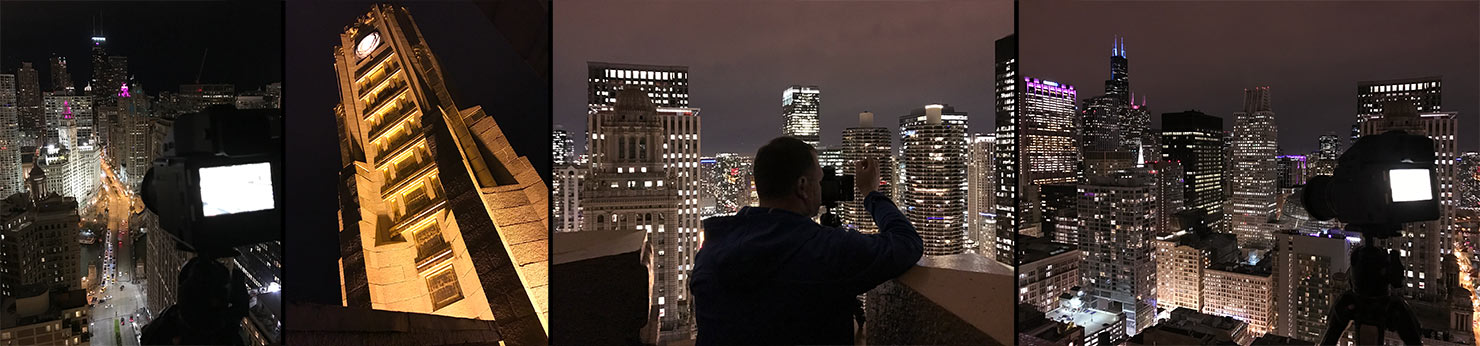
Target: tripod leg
x=1340, y=316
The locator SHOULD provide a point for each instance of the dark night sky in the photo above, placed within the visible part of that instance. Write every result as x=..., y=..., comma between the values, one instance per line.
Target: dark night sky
x=163, y=41
x=481, y=69
x=887, y=57
x=1311, y=54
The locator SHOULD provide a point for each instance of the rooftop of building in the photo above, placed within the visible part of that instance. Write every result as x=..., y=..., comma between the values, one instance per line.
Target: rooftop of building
x=1032, y=249
x=38, y=303
x=1093, y=320
x=1263, y=268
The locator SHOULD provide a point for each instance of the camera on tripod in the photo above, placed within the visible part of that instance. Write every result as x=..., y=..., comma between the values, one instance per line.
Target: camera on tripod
x=1381, y=182
x=221, y=185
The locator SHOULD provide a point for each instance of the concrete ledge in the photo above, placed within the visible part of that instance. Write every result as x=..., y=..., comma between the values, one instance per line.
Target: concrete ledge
x=601, y=285
x=955, y=299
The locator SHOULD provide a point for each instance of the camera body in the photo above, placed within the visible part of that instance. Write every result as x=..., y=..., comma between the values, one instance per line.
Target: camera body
x=836, y=188
x=221, y=184
x=1381, y=182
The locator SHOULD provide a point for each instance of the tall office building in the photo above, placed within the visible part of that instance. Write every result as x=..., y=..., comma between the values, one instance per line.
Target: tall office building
x=39, y=243
x=1424, y=93
x=1008, y=154
x=933, y=141
x=61, y=80
x=667, y=89
x=1424, y=245
x=1293, y=170
x=1254, y=175
x=134, y=145
x=106, y=77
x=1194, y=140
x=680, y=156
x=1060, y=205
x=1046, y=270
x=564, y=147
x=196, y=97
x=1101, y=119
x=28, y=102
x=1050, y=146
x=666, y=86
x=1116, y=216
x=1242, y=291
x=469, y=243
x=981, y=197
x=11, y=181
x=1167, y=183
x=627, y=168
x=1330, y=147
x=70, y=116
x=565, y=189
x=1118, y=87
x=799, y=109
x=867, y=142
x=1310, y=271
x=1181, y=259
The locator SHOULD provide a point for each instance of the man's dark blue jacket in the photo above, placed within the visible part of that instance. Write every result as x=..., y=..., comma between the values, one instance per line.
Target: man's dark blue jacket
x=771, y=276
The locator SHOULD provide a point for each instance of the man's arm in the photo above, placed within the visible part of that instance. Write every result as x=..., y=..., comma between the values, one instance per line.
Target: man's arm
x=889, y=253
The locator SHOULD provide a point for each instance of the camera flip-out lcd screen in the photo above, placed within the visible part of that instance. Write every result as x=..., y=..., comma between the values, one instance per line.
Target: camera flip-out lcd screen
x=236, y=189
x=1410, y=185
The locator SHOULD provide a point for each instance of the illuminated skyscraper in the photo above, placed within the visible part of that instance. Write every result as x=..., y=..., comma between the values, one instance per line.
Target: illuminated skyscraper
x=565, y=190
x=1101, y=123
x=630, y=188
x=28, y=103
x=1195, y=140
x=1118, y=87
x=860, y=143
x=1050, y=140
x=1254, y=175
x=1117, y=216
x=564, y=147
x=10, y=139
x=799, y=108
x=1293, y=170
x=728, y=182
x=439, y=214
x=69, y=120
x=1310, y=271
x=666, y=86
x=196, y=97
x=933, y=150
x=1424, y=245
x=1181, y=259
x=1008, y=154
x=981, y=198
x=1330, y=147
x=1424, y=93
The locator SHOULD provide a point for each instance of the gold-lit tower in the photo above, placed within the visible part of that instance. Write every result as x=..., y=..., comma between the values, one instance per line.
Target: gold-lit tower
x=438, y=214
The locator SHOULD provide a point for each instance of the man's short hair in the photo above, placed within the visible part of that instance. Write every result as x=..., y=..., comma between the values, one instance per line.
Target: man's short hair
x=779, y=164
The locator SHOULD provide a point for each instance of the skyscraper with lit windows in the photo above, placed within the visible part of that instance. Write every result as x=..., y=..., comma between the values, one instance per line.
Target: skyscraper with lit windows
x=667, y=86
x=11, y=181
x=439, y=214
x=1254, y=175
x=1195, y=140
x=1423, y=245
x=1117, y=214
x=933, y=140
x=1007, y=155
x=865, y=142
x=799, y=109
x=1424, y=93
x=981, y=200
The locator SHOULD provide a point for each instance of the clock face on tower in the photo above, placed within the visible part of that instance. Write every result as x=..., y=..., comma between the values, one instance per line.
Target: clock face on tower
x=367, y=44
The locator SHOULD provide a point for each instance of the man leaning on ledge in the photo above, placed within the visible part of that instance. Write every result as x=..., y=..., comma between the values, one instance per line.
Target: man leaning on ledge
x=772, y=275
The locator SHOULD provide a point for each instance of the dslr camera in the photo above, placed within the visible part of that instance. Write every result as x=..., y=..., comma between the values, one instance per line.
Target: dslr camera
x=1380, y=183
x=221, y=185
x=835, y=188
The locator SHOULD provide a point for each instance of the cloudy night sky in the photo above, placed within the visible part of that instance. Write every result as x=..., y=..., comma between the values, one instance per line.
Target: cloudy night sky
x=1311, y=54
x=888, y=57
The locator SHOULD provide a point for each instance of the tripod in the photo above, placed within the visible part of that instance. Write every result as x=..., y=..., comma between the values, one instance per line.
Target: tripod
x=1369, y=305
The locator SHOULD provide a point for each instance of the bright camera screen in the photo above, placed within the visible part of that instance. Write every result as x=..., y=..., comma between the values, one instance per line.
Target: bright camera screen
x=236, y=189
x=1410, y=185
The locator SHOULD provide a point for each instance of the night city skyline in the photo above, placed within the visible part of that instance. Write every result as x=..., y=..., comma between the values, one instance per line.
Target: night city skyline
x=741, y=58
x=1310, y=54
x=164, y=44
